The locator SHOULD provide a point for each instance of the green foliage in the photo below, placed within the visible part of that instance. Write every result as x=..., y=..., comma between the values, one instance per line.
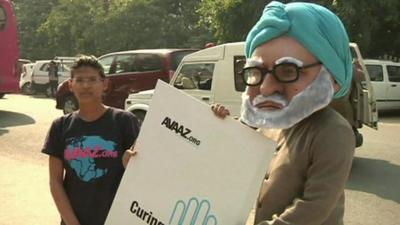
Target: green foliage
x=374, y=25
x=30, y=15
x=68, y=27
x=231, y=19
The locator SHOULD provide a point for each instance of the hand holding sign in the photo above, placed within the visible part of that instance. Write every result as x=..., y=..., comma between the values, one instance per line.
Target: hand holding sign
x=220, y=111
x=128, y=154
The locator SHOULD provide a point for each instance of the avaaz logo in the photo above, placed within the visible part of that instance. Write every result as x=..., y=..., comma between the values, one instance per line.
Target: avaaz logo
x=180, y=129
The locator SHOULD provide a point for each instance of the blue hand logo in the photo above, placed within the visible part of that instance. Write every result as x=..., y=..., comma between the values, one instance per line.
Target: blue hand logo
x=194, y=212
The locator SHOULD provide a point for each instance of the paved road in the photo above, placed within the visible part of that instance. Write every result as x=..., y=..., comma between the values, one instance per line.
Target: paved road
x=24, y=192
x=372, y=193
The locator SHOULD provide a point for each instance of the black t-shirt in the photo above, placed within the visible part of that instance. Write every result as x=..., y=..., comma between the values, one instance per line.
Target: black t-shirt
x=92, y=154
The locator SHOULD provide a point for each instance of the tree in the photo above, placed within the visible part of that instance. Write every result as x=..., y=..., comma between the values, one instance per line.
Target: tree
x=374, y=25
x=98, y=27
x=69, y=27
x=182, y=23
x=153, y=24
x=230, y=20
x=30, y=15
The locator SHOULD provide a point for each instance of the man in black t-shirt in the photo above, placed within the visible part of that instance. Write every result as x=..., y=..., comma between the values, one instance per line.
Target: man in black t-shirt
x=89, y=147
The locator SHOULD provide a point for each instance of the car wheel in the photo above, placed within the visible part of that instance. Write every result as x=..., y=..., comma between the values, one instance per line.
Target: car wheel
x=139, y=114
x=70, y=104
x=27, y=89
x=359, y=139
x=2, y=95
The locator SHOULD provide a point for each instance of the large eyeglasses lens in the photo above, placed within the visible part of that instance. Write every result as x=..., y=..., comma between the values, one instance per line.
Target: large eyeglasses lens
x=286, y=72
x=252, y=76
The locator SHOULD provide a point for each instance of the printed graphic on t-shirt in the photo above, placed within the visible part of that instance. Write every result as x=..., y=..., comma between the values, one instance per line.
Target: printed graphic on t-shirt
x=84, y=153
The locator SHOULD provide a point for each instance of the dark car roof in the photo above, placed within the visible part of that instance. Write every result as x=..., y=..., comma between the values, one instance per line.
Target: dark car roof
x=154, y=51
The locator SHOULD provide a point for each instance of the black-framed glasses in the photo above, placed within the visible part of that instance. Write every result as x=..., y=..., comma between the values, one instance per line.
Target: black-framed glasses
x=284, y=72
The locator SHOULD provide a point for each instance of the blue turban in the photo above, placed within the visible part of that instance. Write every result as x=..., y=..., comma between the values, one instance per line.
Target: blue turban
x=319, y=30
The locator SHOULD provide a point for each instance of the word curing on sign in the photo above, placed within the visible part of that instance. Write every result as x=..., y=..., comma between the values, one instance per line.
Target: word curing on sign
x=180, y=129
x=144, y=215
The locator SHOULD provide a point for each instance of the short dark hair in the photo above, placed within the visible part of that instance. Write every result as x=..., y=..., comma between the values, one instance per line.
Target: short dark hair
x=89, y=61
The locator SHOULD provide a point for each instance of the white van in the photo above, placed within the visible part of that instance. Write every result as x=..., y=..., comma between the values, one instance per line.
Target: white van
x=213, y=76
x=385, y=79
x=207, y=75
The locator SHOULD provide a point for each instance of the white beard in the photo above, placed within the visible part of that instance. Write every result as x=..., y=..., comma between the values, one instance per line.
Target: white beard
x=313, y=98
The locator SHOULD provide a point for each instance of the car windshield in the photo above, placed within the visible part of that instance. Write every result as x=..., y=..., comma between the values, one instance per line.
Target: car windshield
x=177, y=58
x=67, y=65
x=195, y=76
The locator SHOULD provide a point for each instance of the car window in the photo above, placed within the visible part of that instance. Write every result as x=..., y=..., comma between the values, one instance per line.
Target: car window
x=67, y=65
x=64, y=67
x=146, y=62
x=106, y=63
x=176, y=58
x=3, y=18
x=141, y=62
x=353, y=52
x=26, y=67
x=195, y=76
x=393, y=73
x=238, y=64
x=375, y=72
x=122, y=64
x=44, y=67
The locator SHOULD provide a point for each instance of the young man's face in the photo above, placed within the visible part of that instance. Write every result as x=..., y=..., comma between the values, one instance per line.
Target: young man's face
x=87, y=85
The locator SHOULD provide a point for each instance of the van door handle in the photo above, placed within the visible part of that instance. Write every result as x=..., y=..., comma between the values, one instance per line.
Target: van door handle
x=205, y=98
x=393, y=85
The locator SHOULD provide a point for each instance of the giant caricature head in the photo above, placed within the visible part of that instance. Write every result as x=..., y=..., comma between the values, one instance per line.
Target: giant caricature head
x=298, y=60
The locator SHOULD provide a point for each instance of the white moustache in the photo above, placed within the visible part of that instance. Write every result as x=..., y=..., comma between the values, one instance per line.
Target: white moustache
x=277, y=98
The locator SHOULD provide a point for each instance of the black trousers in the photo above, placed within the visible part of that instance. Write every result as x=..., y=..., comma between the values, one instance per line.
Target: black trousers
x=53, y=86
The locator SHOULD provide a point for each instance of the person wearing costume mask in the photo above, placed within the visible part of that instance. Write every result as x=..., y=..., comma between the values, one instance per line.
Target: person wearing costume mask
x=298, y=61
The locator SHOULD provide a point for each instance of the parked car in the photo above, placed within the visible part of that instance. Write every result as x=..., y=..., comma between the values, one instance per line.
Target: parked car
x=128, y=72
x=40, y=74
x=25, y=81
x=21, y=63
x=20, y=70
x=385, y=79
x=213, y=75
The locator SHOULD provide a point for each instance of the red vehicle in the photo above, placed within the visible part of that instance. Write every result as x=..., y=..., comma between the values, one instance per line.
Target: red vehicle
x=128, y=72
x=9, y=51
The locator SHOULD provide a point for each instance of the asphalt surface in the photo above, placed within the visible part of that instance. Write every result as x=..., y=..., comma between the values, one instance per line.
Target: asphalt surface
x=372, y=192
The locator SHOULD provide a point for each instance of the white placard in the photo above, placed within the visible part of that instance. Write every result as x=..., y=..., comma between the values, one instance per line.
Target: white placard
x=191, y=168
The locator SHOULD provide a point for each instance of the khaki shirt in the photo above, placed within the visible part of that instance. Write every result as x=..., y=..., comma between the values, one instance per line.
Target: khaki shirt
x=306, y=179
